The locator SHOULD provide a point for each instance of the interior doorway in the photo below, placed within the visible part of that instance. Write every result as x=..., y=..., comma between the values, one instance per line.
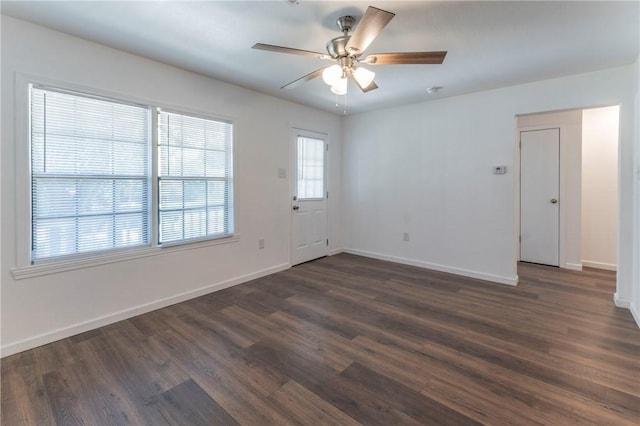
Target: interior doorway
x=599, y=243
x=587, y=175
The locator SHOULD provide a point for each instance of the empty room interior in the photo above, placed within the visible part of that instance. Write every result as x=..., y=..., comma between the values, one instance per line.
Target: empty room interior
x=320, y=212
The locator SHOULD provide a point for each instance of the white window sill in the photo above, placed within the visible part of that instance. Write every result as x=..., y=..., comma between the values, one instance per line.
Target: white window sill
x=31, y=271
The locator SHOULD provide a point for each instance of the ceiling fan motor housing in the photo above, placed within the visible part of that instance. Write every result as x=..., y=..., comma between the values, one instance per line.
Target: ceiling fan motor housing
x=337, y=47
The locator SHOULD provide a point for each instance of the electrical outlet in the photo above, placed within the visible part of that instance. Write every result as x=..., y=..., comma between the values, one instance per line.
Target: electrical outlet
x=405, y=236
x=261, y=243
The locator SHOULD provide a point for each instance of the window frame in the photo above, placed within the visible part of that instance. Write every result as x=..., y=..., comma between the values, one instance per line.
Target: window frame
x=25, y=267
x=146, y=177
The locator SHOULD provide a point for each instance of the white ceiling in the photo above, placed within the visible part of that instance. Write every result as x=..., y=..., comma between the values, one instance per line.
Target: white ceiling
x=490, y=44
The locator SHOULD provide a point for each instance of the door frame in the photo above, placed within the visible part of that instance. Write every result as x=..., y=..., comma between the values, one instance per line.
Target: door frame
x=562, y=191
x=294, y=131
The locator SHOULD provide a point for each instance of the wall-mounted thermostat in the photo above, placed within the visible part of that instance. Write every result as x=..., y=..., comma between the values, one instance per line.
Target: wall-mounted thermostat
x=499, y=170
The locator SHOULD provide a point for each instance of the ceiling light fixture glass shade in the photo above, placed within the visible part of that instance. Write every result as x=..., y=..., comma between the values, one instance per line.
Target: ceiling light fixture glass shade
x=363, y=76
x=340, y=86
x=332, y=74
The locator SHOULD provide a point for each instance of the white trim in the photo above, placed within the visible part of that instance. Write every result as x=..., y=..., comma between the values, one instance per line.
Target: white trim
x=600, y=265
x=621, y=303
x=433, y=266
x=22, y=176
x=635, y=314
x=37, y=270
x=61, y=333
x=27, y=78
x=516, y=198
x=574, y=266
x=333, y=252
x=154, y=214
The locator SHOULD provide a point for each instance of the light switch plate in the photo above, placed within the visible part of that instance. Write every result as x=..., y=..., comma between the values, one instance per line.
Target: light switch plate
x=499, y=170
x=282, y=173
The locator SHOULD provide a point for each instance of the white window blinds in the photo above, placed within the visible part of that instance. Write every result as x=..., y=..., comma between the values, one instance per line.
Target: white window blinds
x=89, y=174
x=195, y=177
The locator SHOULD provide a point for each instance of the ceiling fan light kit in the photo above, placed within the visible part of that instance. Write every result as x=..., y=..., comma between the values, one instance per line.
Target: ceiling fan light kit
x=363, y=76
x=346, y=49
x=332, y=74
x=340, y=86
x=336, y=77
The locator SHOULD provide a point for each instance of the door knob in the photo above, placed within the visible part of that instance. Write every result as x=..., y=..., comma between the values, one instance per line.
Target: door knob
x=553, y=201
x=296, y=207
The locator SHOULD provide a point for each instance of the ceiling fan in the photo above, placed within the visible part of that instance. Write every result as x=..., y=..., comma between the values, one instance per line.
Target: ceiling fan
x=346, y=51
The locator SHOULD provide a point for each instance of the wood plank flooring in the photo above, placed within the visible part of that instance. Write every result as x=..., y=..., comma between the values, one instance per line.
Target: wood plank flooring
x=347, y=340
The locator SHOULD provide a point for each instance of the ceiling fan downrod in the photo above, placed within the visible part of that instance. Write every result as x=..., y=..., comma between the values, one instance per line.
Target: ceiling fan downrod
x=337, y=47
x=345, y=23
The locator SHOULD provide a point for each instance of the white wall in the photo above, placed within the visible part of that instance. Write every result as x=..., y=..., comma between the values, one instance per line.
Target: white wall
x=600, y=187
x=570, y=124
x=635, y=300
x=44, y=308
x=426, y=169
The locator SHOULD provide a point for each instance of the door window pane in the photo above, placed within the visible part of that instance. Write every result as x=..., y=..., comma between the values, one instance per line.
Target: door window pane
x=310, y=182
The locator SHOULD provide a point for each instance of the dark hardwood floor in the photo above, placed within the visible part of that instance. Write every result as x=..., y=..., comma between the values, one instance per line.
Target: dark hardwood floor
x=348, y=340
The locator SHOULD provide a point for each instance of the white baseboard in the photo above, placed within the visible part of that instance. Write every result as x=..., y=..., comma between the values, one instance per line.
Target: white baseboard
x=621, y=303
x=600, y=265
x=573, y=266
x=635, y=314
x=335, y=251
x=457, y=271
x=72, y=330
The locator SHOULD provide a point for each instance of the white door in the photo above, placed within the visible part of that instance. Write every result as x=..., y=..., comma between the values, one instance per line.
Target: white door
x=309, y=197
x=539, y=202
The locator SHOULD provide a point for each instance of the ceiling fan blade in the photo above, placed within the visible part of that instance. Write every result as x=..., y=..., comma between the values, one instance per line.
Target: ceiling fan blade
x=373, y=21
x=281, y=49
x=370, y=87
x=295, y=83
x=406, y=58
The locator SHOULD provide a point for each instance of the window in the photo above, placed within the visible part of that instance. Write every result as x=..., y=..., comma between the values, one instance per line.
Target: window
x=195, y=177
x=310, y=184
x=95, y=180
x=89, y=174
